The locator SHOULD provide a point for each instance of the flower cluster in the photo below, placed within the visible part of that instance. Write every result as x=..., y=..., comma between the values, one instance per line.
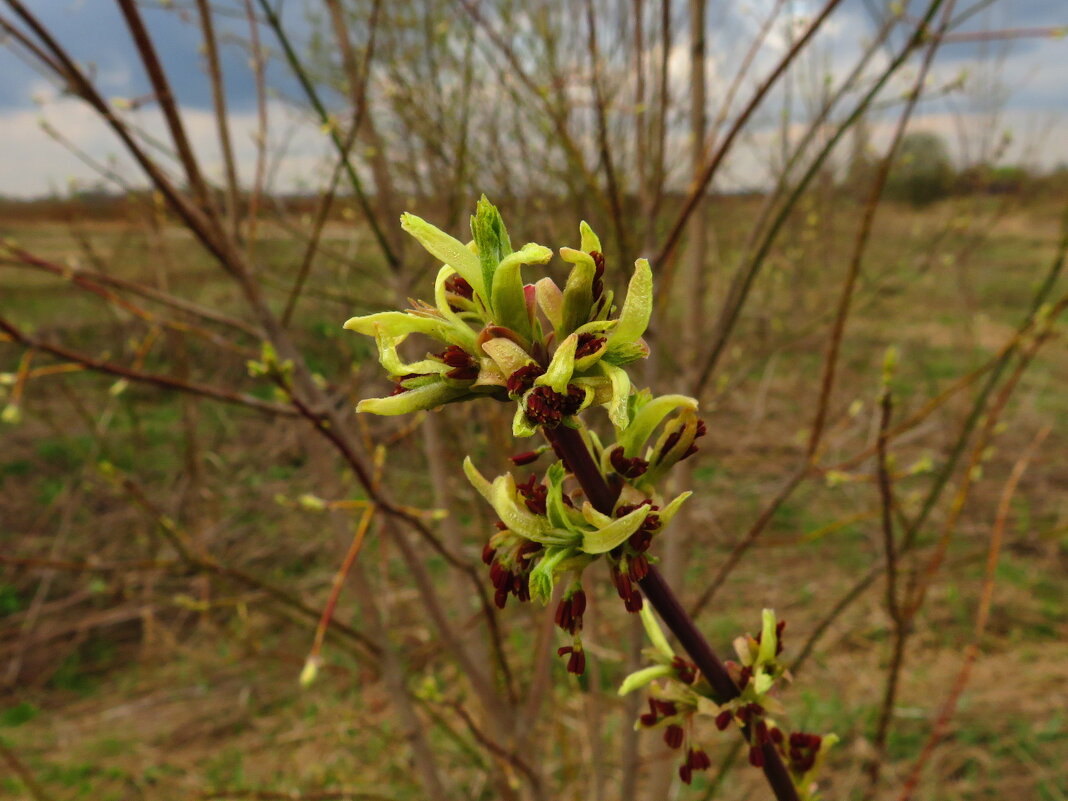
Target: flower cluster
x=676, y=700
x=554, y=352
x=553, y=364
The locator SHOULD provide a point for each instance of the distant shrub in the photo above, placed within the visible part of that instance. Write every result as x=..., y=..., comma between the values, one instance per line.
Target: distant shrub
x=922, y=173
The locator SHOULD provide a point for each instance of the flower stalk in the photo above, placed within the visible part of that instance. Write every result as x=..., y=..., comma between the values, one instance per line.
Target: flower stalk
x=568, y=443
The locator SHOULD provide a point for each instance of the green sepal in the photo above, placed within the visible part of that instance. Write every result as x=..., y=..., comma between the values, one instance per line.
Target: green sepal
x=768, y=638
x=491, y=240
x=391, y=360
x=617, y=405
x=624, y=353
x=605, y=539
x=558, y=375
x=457, y=327
x=509, y=302
x=521, y=426
x=669, y=511
x=589, y=240
x=643, y=677
x=541, y=580
x=507, y=355
x=395, y=324
x=501, y=495
x=555, y=508
x=551, y=302
x=648, y=417
x=425, y=397
x=637, y=308
x=655, y=633
x=447, y=249
x=578, y=291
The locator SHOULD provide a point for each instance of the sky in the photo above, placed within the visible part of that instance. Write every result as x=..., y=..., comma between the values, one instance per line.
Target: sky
x=1016, y=87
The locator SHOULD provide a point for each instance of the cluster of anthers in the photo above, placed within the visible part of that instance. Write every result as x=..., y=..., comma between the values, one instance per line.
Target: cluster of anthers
x=678, y=696
x=554, y=353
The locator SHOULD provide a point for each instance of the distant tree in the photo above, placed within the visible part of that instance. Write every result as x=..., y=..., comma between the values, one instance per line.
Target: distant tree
x=922, y=172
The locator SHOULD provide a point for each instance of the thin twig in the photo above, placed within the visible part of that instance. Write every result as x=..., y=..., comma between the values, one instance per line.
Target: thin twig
x=982, y=615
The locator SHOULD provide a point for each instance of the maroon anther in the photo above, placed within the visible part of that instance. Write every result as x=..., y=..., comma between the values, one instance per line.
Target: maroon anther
x=524, y=458
x=665, y=708
x=569, y=612
x=488, y=553
x=638, y=567
x=598, y=277
x=578, y=603
x=651, y=717
x=398, y=389
x=501, y=526
x=634, y=602
x=743, y=680
x=686, y=773
x=698, y=759
x=545, y=407
x=500, y=598
x=640, y=540
x=455, y=356
x=756, y=756
x=576, y=663
x=573, y=400
x=523, y=379
x=631, y=467
x=467, y=373
x=686, y=671
x=524, y=552
x=762, y=735
x=588, y=344
x=523, y=593
x=457, y=285
x=669, y=443
x=651, y=523
x=702, y=429
x=534, y=495
x=464, y=367
x=723, y=719
x=674, y=735
x=776, y=735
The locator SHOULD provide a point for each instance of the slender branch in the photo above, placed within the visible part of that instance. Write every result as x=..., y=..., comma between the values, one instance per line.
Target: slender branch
x=981, y=617
x=700, y=185
x=165, y=381
x=327, y=121
x=571, y=447
x=165, y=97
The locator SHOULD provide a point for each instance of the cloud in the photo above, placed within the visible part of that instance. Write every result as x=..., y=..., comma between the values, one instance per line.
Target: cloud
x=297, y=148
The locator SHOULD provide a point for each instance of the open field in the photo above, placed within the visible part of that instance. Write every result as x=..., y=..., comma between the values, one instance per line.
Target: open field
x=129, y=672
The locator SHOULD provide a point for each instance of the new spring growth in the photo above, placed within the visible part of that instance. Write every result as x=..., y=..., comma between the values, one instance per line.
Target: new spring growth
x=678, y=696
x=495, y=343
x=554, y=352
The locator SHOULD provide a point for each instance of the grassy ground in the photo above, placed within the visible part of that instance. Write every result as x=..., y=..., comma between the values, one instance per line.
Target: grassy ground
x=165, y=684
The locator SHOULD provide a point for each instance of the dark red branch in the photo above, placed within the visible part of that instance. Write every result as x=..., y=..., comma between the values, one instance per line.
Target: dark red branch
x=571, y=447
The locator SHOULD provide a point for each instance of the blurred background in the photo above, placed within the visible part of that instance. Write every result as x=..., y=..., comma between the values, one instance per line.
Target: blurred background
x=856, y=215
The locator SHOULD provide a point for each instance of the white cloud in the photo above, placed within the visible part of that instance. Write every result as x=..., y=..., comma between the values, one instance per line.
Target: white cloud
x=42, y=165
